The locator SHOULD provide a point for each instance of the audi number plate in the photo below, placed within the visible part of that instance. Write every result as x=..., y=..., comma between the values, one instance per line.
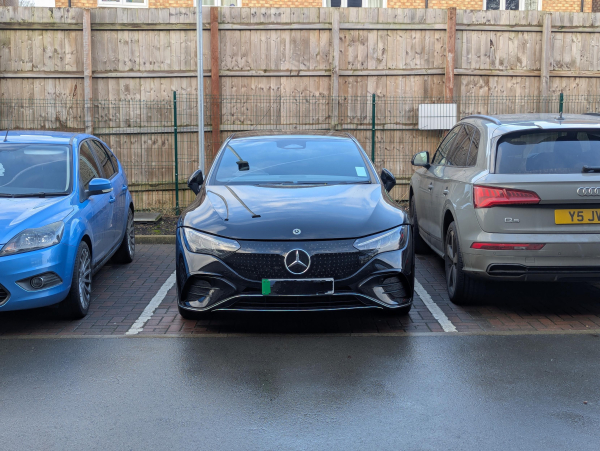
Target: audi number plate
x=583, y=216
x=297, y=287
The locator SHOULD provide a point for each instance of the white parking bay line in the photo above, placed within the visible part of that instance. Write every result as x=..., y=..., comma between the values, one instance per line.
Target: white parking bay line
x=152, y=306
x=435, y=310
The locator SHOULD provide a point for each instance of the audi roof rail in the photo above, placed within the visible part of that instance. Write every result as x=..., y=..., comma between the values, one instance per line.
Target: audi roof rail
x=483, y=116
x=591, y=114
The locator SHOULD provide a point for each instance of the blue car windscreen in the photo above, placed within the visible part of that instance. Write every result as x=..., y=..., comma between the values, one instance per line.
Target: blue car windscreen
x=292, y=160
x=34, y=168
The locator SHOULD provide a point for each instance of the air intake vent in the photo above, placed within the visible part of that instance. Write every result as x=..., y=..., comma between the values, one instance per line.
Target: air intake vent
x=4, y=295
x=393, y=288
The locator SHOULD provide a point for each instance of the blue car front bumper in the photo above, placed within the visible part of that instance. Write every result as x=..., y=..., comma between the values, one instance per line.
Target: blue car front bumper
x=57, y=259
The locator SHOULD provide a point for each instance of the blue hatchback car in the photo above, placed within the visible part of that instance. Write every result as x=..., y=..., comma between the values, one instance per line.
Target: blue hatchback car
x=65, y=209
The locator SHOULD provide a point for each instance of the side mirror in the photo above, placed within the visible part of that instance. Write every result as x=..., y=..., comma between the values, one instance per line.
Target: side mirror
x=388, y=179
x=99, y=186
x=195, y=181
x=421, y=159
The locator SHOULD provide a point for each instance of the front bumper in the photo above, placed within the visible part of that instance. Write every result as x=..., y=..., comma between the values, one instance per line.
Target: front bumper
x=56, y=259
x=565, y=257
x=207, y=283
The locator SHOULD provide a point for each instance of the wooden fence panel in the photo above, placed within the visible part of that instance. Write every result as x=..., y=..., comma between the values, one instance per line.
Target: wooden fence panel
x=276, y=69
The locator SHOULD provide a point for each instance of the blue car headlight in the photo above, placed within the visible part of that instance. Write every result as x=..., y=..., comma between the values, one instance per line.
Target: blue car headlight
x=391, y=240
x=33, y=239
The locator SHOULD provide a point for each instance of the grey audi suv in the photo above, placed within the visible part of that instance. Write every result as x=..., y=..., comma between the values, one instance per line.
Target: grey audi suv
x=511, y=197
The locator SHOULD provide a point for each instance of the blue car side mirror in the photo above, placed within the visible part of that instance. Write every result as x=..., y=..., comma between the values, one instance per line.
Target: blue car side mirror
x=99, y=186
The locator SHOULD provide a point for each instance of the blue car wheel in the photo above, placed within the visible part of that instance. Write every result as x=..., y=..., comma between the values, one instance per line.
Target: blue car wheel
x=77, y=302
x=126, y=251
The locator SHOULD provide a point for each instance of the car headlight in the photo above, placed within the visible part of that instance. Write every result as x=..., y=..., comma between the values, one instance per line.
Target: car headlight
x=391, y=240
x=202, y=243
x=33, y=239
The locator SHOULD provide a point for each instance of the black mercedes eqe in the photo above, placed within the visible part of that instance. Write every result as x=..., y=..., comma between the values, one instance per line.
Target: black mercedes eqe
x=293, y=222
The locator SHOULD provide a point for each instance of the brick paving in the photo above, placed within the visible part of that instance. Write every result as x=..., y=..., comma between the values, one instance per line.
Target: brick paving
x=121, y=292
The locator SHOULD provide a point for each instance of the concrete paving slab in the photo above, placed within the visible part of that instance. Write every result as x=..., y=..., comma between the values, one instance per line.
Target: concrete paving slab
x=147, y=216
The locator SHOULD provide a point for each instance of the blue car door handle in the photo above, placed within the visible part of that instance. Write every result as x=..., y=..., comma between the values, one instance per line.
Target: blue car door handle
x=124, y=188
x=111, y=199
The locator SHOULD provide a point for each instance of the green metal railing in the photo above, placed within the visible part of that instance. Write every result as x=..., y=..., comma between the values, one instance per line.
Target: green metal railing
x=157, y=141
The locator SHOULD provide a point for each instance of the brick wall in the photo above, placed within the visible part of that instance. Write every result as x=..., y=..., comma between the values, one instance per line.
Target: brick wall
x=459, y=4
x=151, y=3
x=283, y=3
x=547, y=5
x=566, y=5
x=406, y=3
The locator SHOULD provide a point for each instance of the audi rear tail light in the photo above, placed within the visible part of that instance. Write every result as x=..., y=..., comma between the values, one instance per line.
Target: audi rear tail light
x=508, y=246
x=491, y=196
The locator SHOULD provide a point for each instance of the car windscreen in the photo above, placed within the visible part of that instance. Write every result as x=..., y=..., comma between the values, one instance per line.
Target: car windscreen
x=548, y=152
x=291, y=160
x=34, y=168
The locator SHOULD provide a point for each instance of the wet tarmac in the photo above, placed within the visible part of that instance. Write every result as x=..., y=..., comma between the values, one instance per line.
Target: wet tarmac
x=444, y=392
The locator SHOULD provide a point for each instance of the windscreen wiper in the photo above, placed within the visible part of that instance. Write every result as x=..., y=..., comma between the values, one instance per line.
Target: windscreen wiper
x=40, y=194
x=587, y=169
x=242, y=164
x=254, y=215
x=362, y=182
x=224, y=201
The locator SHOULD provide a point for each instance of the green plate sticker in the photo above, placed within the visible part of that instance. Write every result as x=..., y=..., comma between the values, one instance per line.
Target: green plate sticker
x=266, y=287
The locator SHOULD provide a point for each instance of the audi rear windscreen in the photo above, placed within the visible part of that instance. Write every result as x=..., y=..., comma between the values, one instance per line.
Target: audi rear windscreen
x=548, y=152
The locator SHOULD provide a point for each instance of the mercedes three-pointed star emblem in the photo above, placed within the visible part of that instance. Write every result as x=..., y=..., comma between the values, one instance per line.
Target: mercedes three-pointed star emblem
x=297, y=261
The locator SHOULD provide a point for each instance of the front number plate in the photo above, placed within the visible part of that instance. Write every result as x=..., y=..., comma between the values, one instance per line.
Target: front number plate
x=586, y=216
x=295, y=287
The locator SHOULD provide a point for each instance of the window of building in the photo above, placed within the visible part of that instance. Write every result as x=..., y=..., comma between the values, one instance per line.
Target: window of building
x=220, y=2
x=512, y=5
x=124, y=3
x=356, y=3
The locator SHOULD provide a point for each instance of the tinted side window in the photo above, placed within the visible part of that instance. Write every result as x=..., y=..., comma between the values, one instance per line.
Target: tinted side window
x=88, y=168
x=474, y=150
x=445, y=146
x=113, y=159
x=457, y=156
x=103, y=158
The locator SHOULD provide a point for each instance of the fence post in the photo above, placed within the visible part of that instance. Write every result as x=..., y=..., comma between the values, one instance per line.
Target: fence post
x=561, y=100
x=87, y=72
x=215, y=114
x=335, y=63
x=450, y=53
x=373, y=130
x=546, y=57
x=176, y=158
